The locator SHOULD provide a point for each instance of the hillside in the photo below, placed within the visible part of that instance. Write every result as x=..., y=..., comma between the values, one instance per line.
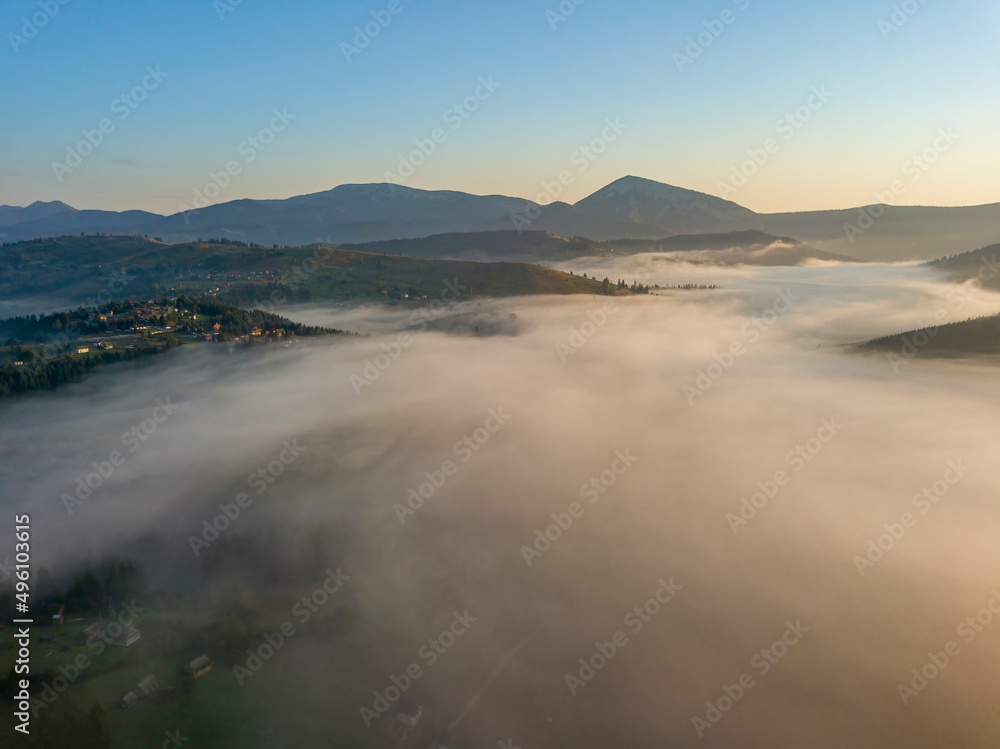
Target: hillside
x=72, y=270
x=732, y=248
x=900, y=233
x=980, y=336
x=526, y=246
x=735, y=248
x=43, y=352
x=982, y=264
x=567, y=220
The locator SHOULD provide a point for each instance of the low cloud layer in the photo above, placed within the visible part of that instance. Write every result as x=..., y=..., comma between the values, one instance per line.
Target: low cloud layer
x=576, y=462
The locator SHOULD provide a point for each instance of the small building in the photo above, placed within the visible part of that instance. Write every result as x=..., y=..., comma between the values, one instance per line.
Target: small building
x=148, y=686
x=409, y=713
x=57, y=614
x=83, y=349
x=130, y=700
x=198, y=667
x=256, y=331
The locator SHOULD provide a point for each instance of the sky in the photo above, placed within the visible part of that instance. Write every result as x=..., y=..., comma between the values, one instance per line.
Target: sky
x=714, y=96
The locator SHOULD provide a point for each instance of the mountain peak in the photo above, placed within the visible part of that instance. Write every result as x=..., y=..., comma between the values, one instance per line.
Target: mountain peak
x=51, y=206
x=676, y=209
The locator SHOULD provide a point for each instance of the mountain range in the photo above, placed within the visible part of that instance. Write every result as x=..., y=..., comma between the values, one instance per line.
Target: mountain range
x=629, y=208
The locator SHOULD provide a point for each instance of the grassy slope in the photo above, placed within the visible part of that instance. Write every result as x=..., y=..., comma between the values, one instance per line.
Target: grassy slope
x=213, y=711
x=352, y=272
x=539, y=247
x=77, y=268
x=527, y=246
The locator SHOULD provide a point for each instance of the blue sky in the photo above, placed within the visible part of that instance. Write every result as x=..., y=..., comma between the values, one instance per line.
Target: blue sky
x=228, y=67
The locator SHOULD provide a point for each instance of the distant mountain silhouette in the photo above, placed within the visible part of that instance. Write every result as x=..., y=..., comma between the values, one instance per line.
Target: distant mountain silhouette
x=629, y=208
x=12, y=214
x=674, y=209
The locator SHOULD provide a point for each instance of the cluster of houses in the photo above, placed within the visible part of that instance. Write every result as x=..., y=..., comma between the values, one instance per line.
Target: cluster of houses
x=145, y=689
x=114, y=633
x=150, y=686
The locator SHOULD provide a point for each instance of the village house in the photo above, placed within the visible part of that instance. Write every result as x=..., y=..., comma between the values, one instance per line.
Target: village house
x=57, y=613
x=198, y=667
x=148, y=686
x=130, y=700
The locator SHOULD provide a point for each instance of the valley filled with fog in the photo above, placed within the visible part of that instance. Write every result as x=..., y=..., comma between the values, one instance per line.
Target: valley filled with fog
x=538, y=468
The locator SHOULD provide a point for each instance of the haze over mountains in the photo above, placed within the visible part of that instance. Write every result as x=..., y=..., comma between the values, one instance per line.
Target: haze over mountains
x=629, y=208
x=731, y=248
